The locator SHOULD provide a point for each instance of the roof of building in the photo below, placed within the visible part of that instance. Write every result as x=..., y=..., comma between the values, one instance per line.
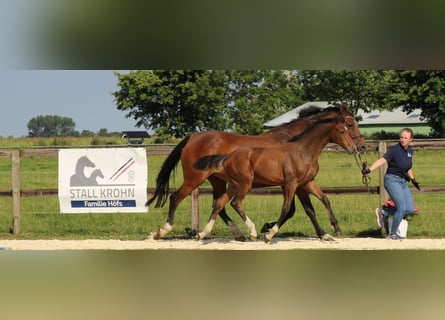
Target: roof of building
x=375, y=117
x=396, y=116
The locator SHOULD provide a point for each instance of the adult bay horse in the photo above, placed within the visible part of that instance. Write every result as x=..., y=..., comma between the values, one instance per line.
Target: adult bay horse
x=201, y=144
x=290, y=166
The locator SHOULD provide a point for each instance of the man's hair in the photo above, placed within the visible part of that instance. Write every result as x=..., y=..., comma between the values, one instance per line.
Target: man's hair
x=409, y=130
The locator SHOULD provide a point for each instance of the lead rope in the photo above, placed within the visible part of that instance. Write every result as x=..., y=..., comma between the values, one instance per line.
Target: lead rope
x=366, y=179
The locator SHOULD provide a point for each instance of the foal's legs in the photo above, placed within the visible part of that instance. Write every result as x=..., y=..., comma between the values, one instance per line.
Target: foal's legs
x=237, y=205
x=288, y=194
x=303, y=195
x=218, y=205
x=219, y=188
x=313, y=188
x=290, y=214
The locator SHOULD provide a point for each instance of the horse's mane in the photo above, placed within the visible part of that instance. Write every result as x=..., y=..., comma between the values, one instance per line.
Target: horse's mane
x=310, y=112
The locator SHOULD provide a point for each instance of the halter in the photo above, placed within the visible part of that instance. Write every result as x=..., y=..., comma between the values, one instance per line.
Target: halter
x=350, y=125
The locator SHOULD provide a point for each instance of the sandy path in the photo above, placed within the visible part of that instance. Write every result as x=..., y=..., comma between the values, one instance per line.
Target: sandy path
x=227, y=244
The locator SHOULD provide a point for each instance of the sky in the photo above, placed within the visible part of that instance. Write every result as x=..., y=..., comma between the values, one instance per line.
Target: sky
x=83, y=95
x=27, y=92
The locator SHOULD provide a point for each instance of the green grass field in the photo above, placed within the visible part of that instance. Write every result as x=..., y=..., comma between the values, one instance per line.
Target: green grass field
x=41, y=219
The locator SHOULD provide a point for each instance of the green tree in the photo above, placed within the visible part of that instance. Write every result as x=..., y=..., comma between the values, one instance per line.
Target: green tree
x=365, y=90
x=103, y=132
x=185, y=101
x=384, y=90
x=87, y=133
x=257, y=96
x=51, y=126
x=422, y=89
x=173, y=102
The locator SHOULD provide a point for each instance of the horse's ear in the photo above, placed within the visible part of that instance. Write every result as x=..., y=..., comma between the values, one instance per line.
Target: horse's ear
x=344, y=106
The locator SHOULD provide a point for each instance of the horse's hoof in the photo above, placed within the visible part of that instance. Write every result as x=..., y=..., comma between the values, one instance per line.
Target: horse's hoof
x=151, y=236
x=240, y=238
x=267, y=239
x=327, y=237
x=267, y=226
x=253, y=238
x=199, y=237
x=191, y=232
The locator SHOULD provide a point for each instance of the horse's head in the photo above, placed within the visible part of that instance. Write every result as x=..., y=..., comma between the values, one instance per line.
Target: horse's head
x=352, y=127
x=340, y=135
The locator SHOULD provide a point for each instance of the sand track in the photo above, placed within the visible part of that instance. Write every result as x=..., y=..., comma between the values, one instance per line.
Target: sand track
x=227, y=244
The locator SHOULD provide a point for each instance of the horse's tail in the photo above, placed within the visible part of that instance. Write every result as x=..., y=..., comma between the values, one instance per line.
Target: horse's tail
x=213, y=162
x=163, y=179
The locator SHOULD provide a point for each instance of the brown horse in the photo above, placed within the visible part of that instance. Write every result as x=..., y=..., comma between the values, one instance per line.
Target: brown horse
x=201, y=144
x=290, y=166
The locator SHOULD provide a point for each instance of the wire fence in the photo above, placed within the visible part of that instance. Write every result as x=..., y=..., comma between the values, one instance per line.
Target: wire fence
x=27, y=173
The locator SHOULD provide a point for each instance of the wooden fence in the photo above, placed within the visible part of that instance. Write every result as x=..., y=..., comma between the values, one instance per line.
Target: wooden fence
x=16, y=192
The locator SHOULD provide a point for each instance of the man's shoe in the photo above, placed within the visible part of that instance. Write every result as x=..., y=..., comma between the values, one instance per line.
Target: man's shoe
x=380, y=217
x=394, y=236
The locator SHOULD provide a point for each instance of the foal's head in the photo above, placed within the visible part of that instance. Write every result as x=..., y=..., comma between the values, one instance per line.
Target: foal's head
x=341, y=135
x=352, y=125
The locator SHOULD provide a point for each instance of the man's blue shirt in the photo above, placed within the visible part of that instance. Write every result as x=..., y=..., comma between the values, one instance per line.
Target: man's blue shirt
x=399, y=160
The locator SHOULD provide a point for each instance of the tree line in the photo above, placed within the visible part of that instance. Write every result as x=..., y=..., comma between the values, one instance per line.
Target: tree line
x=180, y=102
x=57, y=126
x=174, y=103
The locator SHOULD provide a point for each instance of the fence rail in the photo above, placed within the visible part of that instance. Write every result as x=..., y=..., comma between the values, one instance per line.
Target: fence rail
x=16, y=192
x=256, y=191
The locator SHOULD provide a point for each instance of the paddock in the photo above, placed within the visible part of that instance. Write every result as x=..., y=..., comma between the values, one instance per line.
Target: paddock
x=21, y=191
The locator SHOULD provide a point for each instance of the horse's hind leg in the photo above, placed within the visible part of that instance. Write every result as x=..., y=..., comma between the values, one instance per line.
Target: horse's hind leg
x=219, y=187
x=237, y=205
x=175, y=199
x=217, y=207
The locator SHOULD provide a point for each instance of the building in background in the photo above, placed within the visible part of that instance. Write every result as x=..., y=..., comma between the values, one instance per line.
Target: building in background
x=390, y=122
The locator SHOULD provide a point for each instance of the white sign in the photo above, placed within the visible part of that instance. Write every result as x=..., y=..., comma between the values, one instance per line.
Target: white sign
x=102, y=180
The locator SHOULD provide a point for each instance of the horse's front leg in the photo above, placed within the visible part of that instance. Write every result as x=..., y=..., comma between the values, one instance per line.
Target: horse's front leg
x=303, y=196
x=290, y=214
x=288, y=194
x=313, y=188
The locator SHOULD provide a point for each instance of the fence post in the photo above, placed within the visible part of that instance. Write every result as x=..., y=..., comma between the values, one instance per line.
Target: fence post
x=383, y=194
x=15, y=155
x=195, y=209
